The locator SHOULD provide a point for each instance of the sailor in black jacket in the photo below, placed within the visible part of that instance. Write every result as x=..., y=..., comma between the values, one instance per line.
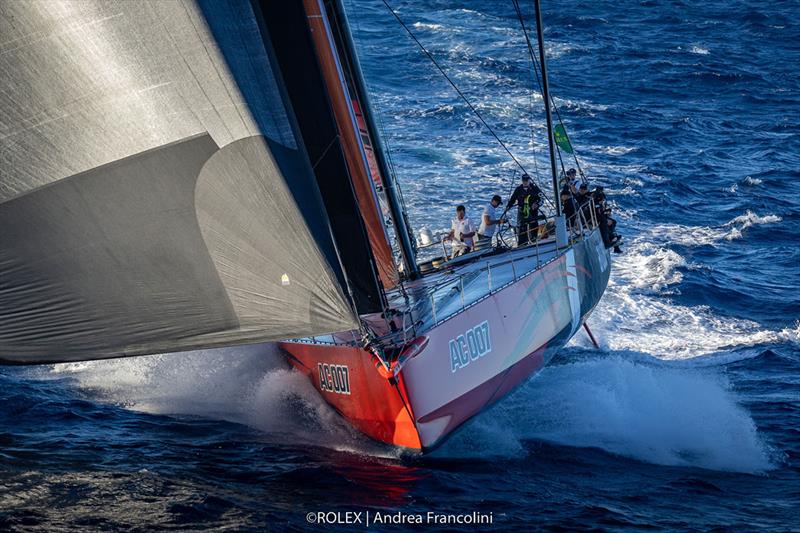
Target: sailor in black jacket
x=527, y=197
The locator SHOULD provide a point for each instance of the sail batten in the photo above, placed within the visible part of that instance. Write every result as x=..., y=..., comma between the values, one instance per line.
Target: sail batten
x=154, y=193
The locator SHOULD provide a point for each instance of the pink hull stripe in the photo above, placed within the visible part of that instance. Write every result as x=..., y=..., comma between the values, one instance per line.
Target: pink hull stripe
x=469, y=404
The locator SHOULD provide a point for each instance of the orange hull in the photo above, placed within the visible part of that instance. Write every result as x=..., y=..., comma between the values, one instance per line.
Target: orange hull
x=380, y=410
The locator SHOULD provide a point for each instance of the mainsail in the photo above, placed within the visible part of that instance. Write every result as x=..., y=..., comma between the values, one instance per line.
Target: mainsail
x=155, y=191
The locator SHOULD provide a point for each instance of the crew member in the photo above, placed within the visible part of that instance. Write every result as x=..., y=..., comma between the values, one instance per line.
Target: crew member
x=490, y=219
x=583, y=200
x=568, y=206
x=569, y=179
x=607, y=224
x=527, y=197
x=599, y=204
x=462, y=232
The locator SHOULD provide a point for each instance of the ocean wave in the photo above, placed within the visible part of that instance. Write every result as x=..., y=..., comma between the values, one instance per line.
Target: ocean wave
x=749, y=180
x=641, y=319
x=427, y=26
x=625, y=213
x=624, y=191
x=749, y=219
x=635, y=313
x=250, y=385
x=554, y=49
x=707, y=235
x=699, y=50
x=650, y=267
x=656, y=414
x=578, y=105
x=628, y=407
x=438, y=110
x=611, y=150
x=718, y=78
x=192, y=383
x=791, y=334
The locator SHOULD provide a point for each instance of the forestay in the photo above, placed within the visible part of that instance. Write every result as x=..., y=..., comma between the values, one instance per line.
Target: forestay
x=153, y=194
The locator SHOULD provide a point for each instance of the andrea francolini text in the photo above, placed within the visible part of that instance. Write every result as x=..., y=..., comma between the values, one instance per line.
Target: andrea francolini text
x=430, y=517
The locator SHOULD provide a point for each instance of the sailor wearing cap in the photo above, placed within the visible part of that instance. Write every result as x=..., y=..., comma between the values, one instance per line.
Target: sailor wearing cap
x=527, y=197
x=490, y=219
x=569, y=180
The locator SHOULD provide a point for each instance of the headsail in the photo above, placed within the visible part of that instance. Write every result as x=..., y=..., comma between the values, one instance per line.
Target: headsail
x=154, y=193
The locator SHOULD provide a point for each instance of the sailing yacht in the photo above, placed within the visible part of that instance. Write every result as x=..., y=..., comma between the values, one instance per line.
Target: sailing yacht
x=195, y=174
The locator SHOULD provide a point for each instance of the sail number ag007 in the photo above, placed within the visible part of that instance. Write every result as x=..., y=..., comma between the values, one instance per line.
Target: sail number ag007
x=334, y=378
x=470, y=346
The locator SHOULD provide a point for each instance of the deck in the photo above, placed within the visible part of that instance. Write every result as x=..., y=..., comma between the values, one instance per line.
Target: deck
x=456, y=285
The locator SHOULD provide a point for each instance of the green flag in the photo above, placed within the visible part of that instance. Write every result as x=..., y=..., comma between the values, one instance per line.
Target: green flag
x=561, y=138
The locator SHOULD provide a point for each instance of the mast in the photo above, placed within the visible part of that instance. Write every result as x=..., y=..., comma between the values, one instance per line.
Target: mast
x=321, y=112
x=350, y=142
x=402, y=229
x=548, y=112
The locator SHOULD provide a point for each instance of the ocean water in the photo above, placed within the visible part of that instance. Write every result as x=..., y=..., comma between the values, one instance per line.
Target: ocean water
x=688, y=417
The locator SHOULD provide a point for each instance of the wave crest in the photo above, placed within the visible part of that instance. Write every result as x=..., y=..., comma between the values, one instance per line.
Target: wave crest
x=656, y=414
x=707, y=235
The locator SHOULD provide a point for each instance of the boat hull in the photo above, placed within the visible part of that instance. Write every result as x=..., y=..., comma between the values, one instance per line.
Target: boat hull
x=467, y=362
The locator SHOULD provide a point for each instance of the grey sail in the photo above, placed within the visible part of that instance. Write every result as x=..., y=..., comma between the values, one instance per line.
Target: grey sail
x=154, y=195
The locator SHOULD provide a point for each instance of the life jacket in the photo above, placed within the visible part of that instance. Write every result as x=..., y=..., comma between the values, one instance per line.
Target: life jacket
x=525, y=206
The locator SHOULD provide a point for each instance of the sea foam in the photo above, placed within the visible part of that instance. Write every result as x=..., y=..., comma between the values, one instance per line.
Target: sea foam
x=251, y=385
x=652, y=413
x=648, y=411
x=636, y=314
x=686, y=235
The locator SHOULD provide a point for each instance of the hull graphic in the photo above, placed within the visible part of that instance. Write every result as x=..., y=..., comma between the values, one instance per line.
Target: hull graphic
x=467, y=362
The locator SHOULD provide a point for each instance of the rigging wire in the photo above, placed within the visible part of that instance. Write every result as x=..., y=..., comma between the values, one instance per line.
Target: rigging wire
x=539, y=83
x=533, y=136
x=463, y=96
x=535, y=64
x=460, y=93
x=532, y=132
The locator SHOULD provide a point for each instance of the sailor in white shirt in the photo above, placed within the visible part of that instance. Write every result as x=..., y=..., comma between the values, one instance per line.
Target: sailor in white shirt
x=462, y=232
x=490, y=220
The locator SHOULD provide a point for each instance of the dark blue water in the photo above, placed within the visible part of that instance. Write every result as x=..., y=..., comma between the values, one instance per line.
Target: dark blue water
x=689, y=415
